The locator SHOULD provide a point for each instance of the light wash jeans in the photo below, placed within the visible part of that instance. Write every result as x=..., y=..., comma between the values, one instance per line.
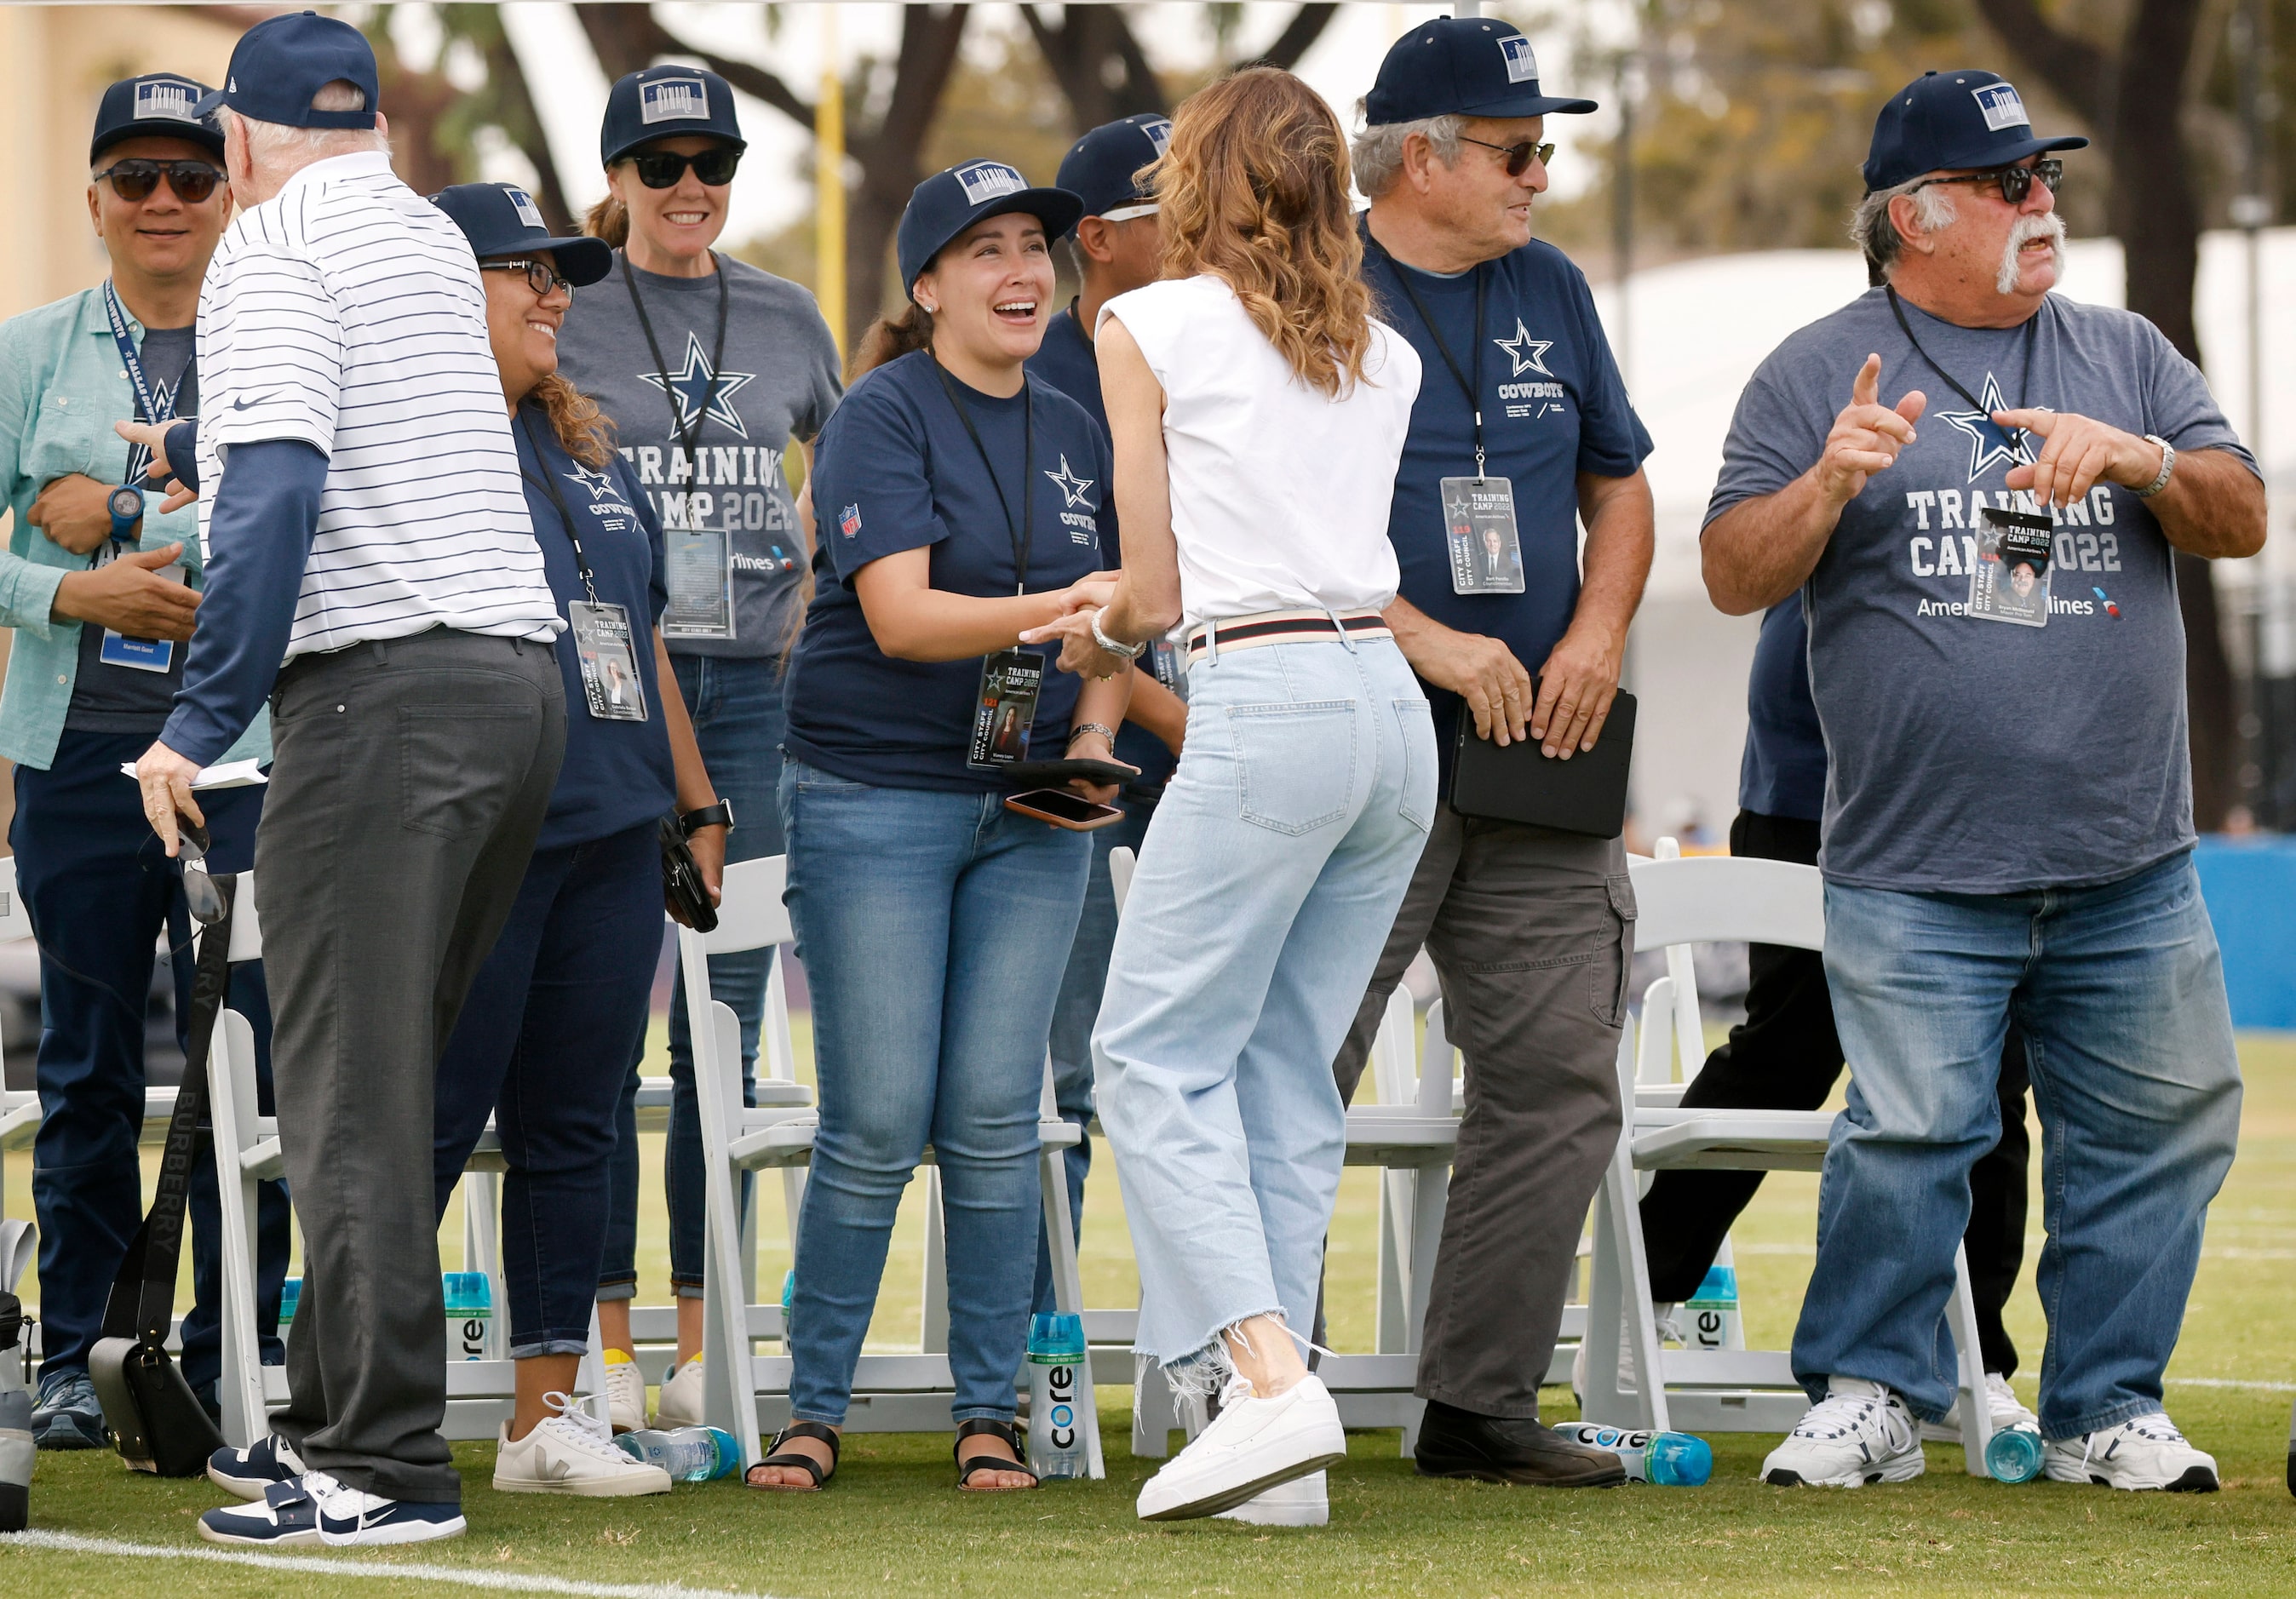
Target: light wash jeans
x=2119, y=992
x=1272, y=872
x=934, y=928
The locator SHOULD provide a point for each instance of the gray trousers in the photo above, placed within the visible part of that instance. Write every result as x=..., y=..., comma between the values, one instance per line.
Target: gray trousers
x=410, y=781
x=1531, y=931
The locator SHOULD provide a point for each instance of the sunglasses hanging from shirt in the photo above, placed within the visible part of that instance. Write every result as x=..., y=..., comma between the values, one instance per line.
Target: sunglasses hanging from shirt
x=698, y=561
x=602, y=642
x=1004, y=710
x=126, y=503
x=1478, y=525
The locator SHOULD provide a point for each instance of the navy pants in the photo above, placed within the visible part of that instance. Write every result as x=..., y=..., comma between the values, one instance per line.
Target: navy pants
x=99, y=889
x=543, y=1042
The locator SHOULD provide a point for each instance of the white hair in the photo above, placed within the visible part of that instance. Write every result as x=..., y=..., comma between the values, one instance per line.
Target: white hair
x=272, y=144
x=1875, y=232
x=1378, y=150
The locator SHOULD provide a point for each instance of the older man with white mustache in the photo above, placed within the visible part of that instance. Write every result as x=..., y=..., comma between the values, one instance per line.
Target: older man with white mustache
x=2008, y=813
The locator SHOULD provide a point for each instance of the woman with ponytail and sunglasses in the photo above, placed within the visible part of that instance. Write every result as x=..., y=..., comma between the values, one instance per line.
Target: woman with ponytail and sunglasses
x=708, y=367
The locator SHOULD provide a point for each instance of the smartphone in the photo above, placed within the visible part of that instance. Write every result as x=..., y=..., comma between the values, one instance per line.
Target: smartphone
x=1064, y=808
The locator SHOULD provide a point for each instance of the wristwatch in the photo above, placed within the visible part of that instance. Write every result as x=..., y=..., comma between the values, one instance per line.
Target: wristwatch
x=2167, y=465
x=126, y=504
x=1129, y=652
x=1081, y=728
x=720, y=814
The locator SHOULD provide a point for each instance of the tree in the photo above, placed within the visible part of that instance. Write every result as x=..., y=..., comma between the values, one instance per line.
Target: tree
x=1104, y=74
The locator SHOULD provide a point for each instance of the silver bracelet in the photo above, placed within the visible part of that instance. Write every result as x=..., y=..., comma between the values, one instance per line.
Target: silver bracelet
x=1129, y=652
x=2167, y=465
x=1081, y=728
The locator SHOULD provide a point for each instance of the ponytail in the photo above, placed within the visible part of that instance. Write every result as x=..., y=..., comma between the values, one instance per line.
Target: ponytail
x=609, y=219
x=889, y=338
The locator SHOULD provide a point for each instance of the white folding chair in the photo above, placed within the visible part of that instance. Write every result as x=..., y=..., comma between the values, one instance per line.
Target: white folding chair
x=1681, y=903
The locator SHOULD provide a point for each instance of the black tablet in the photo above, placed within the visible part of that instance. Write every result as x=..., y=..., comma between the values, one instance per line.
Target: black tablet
x=1517, y=783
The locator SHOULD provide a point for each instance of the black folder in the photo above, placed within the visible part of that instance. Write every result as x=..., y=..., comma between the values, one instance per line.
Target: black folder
x=1517, y=782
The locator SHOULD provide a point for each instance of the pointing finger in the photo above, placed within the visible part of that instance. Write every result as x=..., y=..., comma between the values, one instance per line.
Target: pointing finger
x=1867, y=390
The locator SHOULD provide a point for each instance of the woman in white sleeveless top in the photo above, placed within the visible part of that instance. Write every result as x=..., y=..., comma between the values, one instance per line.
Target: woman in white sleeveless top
x=1257, y=413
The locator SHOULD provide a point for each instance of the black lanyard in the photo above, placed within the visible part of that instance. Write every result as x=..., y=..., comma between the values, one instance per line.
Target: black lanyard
x=148, y=407
x=653, y=347
x=1024, y=536
x=1474, y=389
x=548, y=484
x=2024, y=383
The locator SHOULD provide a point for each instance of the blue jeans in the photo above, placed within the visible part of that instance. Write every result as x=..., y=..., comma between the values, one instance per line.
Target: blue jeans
x=1273, y=871
x=933, y=927
x=737, y=706
x=2119, y=993
x=1077, y=1008
x=543, y=1044
x=100, y=890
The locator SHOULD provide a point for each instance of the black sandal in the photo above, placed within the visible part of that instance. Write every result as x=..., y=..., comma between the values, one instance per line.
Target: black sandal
x=813, y=1430
x=982, y=1426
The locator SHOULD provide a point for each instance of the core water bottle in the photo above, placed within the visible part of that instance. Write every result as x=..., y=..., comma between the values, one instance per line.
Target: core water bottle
x=1057, y=1364
x=1665, y=1459
x=469, y=1310
x=688, y=1454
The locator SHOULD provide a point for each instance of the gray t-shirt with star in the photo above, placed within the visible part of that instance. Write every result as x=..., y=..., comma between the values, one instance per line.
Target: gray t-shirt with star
x=777, y=381
x=1966, y=755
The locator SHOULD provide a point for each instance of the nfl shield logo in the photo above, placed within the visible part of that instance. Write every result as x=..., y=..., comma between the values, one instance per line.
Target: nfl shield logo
x=988, y=180
x=674, y=100
x=848, y=521
x=2002, y=106
x=1522, y=66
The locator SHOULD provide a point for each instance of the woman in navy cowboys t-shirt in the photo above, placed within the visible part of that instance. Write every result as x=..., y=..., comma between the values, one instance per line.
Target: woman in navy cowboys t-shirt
x=555, y=1016
x=957, y=500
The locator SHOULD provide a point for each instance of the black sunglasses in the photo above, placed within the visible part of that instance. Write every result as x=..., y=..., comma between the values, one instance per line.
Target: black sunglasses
x=661, y=168
x=540, y=276
x=201, y=898
x=1519, y=157
x=134, y=180
x=2016, y=181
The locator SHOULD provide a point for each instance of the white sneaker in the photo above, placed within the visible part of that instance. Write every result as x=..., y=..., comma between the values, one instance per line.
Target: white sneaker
x=1252, y=1446
x=2003, y=1409
x=315, y=1510
x=1860, y=1432
x=626, y=1406
x=1302, y=1502
x=2147, y=1452
x=572, y=1452
x=679, y=1402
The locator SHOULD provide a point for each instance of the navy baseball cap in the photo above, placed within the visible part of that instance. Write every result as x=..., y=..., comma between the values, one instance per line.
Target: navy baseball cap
x=951, y=200
x=502, y=219
x=156, y=105
x=1461, y=67
x=282, y=63
x=662, y=103
x=1943, y=121
x=1102, y=169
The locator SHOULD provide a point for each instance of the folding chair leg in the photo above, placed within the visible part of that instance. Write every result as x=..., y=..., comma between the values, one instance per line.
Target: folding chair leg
x=1068, y=1290
x=1618, y=1302
x=933, y=1335
x=1393, y=1309
x=230, y=1080
x=591, y=1378
x=482, y=1252
x=1976, y=1404
x=729, y=1394
x=1155, y=1410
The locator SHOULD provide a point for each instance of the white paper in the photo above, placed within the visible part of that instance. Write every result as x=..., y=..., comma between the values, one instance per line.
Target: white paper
x=228, y=775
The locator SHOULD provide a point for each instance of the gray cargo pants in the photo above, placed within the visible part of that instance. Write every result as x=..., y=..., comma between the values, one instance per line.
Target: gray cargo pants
x=410, y=781
x=1531, y=931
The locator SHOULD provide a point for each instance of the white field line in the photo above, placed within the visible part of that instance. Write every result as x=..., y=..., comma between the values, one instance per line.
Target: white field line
x=2272, y=1388
x=508, y=1582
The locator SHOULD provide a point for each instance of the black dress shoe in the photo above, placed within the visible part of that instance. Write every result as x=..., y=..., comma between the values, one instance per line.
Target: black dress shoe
x=1493, y=1449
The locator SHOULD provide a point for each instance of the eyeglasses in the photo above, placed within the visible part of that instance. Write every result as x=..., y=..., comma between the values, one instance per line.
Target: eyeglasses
x=1519, y=157
x=134, y=180
x=201, y=898
x=661, y=168
x=2016, y=181
x=540, y=276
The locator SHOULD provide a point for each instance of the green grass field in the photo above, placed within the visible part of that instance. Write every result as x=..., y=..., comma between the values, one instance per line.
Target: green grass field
x=892, y=1523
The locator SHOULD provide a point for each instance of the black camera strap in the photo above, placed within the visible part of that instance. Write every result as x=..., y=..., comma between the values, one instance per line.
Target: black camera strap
x=143, y=1294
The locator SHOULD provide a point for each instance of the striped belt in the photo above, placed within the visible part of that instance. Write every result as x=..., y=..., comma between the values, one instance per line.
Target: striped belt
x=1281, y=627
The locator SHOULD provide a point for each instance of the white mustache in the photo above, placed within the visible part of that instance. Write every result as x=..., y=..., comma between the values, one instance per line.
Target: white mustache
x=2047, y=226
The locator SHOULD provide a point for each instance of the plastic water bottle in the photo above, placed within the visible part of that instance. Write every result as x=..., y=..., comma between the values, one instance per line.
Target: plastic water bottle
x=1666, y=1459
x=1710, y=1317
x=788, y=1293
x=470, y=1309
x=688, y=1454
x=15, y=1420
x=2013, y=1454
x=1056, y=1364
x=291, y=1293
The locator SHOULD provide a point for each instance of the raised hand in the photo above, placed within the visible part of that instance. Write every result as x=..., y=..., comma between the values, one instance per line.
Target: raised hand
x=2079, y=451
x=1866, y=436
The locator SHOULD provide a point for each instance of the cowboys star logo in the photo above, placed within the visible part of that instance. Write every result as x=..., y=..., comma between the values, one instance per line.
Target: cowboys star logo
x=1526, y=353
x=1072, y=488
x=1989, y=441
x=699, y=394
x=597, y=483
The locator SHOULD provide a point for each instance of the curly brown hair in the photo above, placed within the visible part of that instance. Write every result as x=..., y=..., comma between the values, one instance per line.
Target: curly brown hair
x=584, y=431
x=1254, y=190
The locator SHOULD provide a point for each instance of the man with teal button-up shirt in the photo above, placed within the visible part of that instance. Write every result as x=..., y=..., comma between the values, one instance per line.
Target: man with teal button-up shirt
x=101, y=608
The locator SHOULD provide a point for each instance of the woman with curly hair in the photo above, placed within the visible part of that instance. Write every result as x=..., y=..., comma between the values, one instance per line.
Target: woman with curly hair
x=1258, y=413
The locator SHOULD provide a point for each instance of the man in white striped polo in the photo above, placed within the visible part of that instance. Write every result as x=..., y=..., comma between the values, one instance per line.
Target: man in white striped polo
x=365, y=527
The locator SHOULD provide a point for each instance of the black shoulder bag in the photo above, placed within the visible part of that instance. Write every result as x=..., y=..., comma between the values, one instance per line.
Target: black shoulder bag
x=156, y=1421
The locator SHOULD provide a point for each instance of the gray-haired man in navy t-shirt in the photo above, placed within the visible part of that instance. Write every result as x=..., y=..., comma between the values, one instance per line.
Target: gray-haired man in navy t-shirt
x=2008, y=828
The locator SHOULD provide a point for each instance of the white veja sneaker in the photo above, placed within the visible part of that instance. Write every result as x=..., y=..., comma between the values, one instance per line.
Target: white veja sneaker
x=626, y=1406
x=2003, y=1408
x=1250, y=1446
x=2145, y=1453
x=679, y=1402
x=573, y=1453
x=1302, y=1502
x=1860, y=1432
